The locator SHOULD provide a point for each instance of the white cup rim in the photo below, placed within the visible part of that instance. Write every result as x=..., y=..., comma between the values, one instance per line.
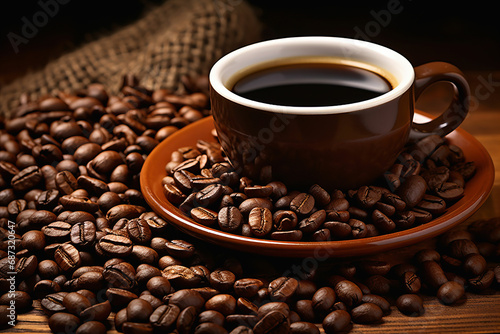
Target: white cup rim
x=358, y=50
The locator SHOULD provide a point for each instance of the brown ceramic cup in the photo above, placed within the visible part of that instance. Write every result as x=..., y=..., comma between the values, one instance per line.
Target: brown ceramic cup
x=338, y=147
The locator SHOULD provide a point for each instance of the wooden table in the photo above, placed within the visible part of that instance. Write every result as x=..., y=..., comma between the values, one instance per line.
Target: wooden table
x=479, y=313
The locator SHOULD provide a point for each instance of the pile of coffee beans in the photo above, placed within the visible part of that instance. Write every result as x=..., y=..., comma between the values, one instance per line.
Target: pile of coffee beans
x=426, y=179
x=78, y=240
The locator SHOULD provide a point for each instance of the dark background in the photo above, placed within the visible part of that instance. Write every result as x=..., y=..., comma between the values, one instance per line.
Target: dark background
x=466, y=34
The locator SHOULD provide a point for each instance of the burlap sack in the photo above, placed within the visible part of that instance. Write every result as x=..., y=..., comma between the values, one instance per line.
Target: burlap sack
x=179, y=37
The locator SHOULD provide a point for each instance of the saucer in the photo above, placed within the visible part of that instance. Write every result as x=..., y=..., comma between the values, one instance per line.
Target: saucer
x=476, y=192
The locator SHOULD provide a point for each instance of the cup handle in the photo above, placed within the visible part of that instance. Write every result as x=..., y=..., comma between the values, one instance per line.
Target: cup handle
x=453, y=116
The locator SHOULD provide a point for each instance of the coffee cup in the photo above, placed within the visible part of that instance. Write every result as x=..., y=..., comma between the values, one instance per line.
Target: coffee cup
x=326, y=110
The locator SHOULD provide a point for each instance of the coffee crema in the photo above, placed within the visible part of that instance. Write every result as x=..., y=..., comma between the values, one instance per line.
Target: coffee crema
x=311, y=82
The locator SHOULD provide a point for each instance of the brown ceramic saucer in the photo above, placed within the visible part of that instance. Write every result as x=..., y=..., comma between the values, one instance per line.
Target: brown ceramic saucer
x=476, y=191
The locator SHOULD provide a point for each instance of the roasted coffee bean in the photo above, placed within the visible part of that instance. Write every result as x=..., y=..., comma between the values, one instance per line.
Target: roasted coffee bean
x=450, y=292
x=145, y=271
x=323, y=300
x=247, y=287
x=222, y=280
x=411, y=282
x=404, y=219
x=120, y=318
x=186, y=320
x=382, y=222
x=410, y=305
x=26, y=179
x=305, y=310
x=45, y=287
x=106, y=161
x=139, y=231
x=450, y=191
x=273, y=306
x=412, y=190
x=229, y=218
x=120, y=275
x=209, y=327
x=108, y=200
x=209, y=195
x=368, y=196
x=83, y=234
x=338, y=230
x=433, y=274
x=179, y=248
x=180, y=276
x=427, y=254
x=57, y=230
x=65, y=182
x=139, y=310
x=48, y=200
x=115, y=245
x=211, y=316
x=459, y=249
x=127, y=211
x=385, y=208
x=282, y=288
x=483, y=281
x=67, y=257
x=275, y=321
x=283, y=203
x=75, y=303
x=119, y=298
x=164, y=317
x=313, y=222
x=293, y=235
x=337, y=321
x=204, y=216
x=372, y=267
x=358, y=228
x=63, y=322
x=223, y=303
x=302, y=327
x=366, y=313
x=159, y=286
x=260, y=221
x=474, y=264
x=348, y=292
x=321, y=196
x=136, y=328
x=48, y=269
x=91, y=327
x=377, y=300
x=302, y=204
x=432, y=204
x=378, y=284
x=258, y=191
x=248, y=204
x=53, y=303
x=186, y=297
x=284, y=220
x=93, y=280
x=33, y=241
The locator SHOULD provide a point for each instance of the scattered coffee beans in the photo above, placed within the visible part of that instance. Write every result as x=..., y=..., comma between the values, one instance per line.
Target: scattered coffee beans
x=88, y=246
x=418, y=188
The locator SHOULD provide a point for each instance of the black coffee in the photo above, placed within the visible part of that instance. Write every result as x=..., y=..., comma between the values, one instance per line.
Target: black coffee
x=312, y=85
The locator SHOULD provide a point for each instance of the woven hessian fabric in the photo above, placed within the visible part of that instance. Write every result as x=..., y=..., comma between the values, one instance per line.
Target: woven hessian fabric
x=179, y=37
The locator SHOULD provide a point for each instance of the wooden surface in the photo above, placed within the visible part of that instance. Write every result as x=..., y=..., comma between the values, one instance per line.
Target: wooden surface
x=477, y=313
